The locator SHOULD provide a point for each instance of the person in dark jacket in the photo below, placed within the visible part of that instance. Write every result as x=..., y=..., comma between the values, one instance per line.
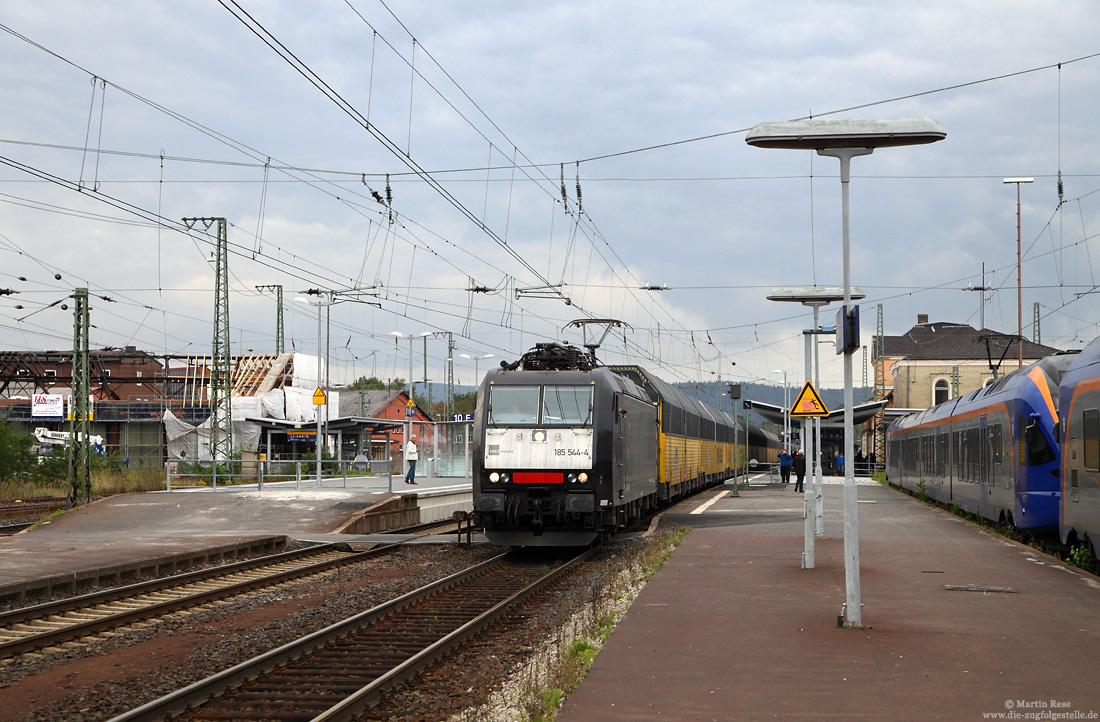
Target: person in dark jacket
x=799, y=466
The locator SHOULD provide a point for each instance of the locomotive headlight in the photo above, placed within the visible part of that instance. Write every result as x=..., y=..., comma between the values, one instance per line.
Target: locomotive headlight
x=538, y=435
x=494, y=477
x=582, y=477
x=572, y=478
x=506, y=477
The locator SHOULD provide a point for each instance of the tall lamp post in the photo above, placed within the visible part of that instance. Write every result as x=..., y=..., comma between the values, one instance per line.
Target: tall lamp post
x=815, y=297
x=786, y=412
x=1019, y=276
x=408, y=384
x=476, y=359
x=319, y=303
x=844, y=140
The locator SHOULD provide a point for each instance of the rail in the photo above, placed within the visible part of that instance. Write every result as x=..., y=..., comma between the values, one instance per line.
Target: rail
x=360, y=658
x=21, y=629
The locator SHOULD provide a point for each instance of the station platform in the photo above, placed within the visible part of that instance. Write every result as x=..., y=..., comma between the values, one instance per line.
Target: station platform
x=731, y=628
x=114, y=538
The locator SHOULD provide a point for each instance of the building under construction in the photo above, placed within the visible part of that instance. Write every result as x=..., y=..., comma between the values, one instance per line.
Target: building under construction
x=131, y=390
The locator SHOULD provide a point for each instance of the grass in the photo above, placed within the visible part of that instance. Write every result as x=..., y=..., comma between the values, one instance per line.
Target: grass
x=104, y=483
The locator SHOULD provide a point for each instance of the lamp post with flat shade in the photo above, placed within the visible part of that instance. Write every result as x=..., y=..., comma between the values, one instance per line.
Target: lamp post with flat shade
x=475, y=359
x=786, y=409
x=844, y=140
x=1019, y=276
x=408, y=385
x=319, y=303
x=815, y=297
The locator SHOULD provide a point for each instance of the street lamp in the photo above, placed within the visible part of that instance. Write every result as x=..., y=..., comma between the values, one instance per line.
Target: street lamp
x=408, y=421
x=845, y=139
x=475, y=359
x=786, y=411
x=1019, y=279
x=815, y=297
x=318, y=444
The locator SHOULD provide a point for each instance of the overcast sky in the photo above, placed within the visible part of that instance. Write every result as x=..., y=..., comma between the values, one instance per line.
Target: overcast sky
x=492, y=104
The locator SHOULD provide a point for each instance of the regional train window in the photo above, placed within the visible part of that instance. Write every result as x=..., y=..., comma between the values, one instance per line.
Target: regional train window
x=567, y=405
x=514, y=405
x=1092, y=440
x=997, y=444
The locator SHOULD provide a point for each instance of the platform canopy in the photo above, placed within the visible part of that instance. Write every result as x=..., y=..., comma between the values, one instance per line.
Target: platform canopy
x=860, y=413
x=346, y=424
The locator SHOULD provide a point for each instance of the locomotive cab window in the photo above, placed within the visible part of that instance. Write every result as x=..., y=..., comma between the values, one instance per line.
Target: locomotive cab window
x=567, y=405
x=1038, y=449
x=514, y=405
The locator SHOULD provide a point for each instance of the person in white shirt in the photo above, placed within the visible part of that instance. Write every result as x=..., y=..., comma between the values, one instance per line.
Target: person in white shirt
x=412, y=454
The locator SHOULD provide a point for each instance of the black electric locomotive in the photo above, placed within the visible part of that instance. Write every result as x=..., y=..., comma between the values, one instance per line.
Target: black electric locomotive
x=567, y=451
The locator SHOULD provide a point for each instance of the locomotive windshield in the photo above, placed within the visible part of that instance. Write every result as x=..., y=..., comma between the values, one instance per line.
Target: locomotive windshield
x=561, y=405
x=567, y=405
x=514, y=405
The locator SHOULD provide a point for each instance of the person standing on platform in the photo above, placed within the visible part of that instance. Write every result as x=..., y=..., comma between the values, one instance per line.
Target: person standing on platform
x=840, y=464
x=785, y=466
x=412, y=454
x=799, y=466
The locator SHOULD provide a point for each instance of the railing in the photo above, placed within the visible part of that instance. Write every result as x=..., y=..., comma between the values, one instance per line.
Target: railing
x=261, y=472
x=114, y=411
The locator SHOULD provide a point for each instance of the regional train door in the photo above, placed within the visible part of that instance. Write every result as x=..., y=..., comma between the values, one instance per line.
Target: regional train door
x=985, y=478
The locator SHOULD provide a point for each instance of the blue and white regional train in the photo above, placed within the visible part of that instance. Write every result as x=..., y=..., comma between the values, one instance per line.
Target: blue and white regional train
x=993, y=452
x=1079, y=411
x=567, y=451
x=1024, y=450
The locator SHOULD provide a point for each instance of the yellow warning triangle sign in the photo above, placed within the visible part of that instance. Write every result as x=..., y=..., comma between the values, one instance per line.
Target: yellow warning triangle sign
x=809, y=403
x=319, y=397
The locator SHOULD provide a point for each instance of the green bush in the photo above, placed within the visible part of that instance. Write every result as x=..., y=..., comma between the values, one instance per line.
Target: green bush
x=16, y=457
x=1080, y=557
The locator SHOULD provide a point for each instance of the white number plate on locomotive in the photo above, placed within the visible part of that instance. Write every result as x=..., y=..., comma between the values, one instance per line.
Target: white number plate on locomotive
x=538, y=448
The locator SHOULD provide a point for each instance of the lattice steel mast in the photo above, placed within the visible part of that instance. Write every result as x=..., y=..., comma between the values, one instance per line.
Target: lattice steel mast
x=878, y=440
x=79, y=448
x=280, y=345
x=221, y=382
x=450, y=376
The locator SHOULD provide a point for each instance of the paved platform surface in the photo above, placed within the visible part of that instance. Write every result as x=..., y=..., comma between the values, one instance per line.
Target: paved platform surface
x=133, y=527
x=732, y=629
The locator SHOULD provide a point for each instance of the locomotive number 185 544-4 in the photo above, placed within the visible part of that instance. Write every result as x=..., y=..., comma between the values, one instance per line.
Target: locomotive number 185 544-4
x=571, y=452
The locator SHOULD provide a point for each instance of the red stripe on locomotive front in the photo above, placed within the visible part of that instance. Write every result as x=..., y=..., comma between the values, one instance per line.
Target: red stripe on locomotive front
x=538, y=477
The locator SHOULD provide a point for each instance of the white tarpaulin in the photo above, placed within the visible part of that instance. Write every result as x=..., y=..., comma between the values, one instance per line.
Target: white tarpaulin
x=291, y=404
x=189, y=442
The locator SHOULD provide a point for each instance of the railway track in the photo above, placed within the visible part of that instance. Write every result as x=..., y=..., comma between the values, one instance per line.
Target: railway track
x=337, y=672
x=14, y=527
x=32, y=509
x=53, y=623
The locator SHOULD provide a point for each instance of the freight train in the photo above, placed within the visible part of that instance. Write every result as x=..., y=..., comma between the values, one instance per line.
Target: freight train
x=1024, y=450
x=568, y=451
